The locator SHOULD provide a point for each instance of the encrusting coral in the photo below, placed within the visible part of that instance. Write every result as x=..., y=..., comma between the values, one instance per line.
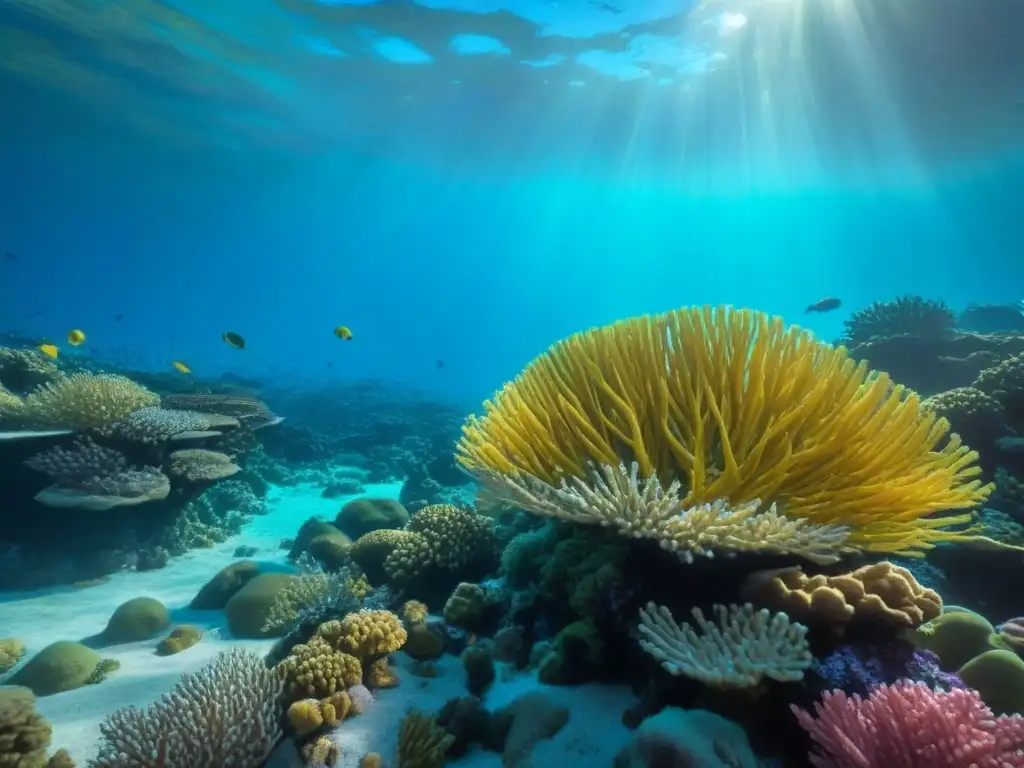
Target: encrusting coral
x=366, y=634
x=226, y=714
x=729, y=404
x=197, y=465
x=738, y=650
x=880, y=592
x=86, y=401
x=24, y=733
x=155, y=425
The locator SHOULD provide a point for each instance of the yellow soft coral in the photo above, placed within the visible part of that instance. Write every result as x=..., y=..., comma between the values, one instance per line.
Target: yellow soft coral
x=316, y=670
x=733, y=405
x=365, y=634
x=86, y=401
x=305, y=716
x=414, y=612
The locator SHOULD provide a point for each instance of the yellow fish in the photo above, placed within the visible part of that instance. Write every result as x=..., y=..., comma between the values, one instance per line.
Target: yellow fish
x=50, y=350
x=76, y=337
x=343, y=332
x=233, y=340
x=181, y=367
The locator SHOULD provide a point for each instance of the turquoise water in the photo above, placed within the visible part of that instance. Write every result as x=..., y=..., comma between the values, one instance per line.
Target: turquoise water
x=279, y=169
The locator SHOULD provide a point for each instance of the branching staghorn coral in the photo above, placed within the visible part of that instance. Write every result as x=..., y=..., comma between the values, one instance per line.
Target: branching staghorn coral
x=91, y=476
x=733, y=405
x=738, y=650
x=308, y=595
x=615, y=498
x=86, y=401
x=226, y=714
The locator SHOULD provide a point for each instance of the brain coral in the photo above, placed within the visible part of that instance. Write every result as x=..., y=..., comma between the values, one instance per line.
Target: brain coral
x=880, y=592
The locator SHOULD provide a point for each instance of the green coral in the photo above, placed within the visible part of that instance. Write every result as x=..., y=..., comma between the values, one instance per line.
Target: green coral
x=361, y=516
x=137, y=619
x=998, y=676
x=62, y=666
x=250, y=608
x=956, y=637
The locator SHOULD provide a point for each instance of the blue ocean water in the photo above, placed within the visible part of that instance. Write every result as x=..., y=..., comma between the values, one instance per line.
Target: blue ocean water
x=275, y=169
x=463, y=183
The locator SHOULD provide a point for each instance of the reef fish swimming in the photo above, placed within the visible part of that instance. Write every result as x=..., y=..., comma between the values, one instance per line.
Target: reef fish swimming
x=825, y=305
x=233, y=340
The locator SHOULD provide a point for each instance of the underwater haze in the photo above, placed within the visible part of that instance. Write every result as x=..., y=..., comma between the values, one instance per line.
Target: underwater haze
x=469, y=182
x=511, y=383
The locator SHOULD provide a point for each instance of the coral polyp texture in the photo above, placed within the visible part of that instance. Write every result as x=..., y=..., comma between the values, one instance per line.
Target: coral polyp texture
x=728, y=404
x=738, y=650
x=905, y=316
x=881, y=592
x=911, y=726
x=226, y=714
x=91, y=476
x=85, y=401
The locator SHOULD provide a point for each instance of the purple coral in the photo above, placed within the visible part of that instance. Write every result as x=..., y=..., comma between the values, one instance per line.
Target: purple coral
x=859, y=668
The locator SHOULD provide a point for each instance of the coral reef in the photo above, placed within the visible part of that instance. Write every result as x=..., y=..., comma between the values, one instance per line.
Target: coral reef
x=227, y=714
x=84, y=401
x=909, y=725
x=739, y=650
x=89, y=476
x=905, y=316
x=695, y=398
x=881, y=592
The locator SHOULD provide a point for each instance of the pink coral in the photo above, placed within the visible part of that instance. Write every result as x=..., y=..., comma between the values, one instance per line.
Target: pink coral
x=911, y=726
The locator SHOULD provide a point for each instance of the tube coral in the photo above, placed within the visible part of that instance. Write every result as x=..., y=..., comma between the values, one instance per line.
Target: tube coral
x=911, y=726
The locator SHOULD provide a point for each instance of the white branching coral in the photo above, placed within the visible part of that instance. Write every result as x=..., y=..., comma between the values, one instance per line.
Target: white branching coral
x=739, y=650
x=226, y=715
x=615, y=497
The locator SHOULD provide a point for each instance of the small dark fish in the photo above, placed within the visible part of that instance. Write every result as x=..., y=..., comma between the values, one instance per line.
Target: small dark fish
x=9, y=255
x=118, y=317
x=606, y=7
x=825, y=305
x=440, y=363
x=233, y=340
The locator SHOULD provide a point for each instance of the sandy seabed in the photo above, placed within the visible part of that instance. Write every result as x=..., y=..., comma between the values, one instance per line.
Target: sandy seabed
x=592, y=736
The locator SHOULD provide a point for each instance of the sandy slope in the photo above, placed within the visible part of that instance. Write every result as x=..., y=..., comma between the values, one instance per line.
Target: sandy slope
x=42, y=617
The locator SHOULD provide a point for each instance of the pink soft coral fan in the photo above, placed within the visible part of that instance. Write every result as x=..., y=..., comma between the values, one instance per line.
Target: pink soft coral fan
x=908, y=725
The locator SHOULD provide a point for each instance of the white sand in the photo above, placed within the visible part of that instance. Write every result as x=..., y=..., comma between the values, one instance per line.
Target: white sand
x=592, y=736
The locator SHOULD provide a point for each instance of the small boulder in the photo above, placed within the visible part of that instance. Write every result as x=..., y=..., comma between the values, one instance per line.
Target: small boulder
x=364, y=515
x=62, y=666
x=248, y=610
x=137, y=619
x=217, y=591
